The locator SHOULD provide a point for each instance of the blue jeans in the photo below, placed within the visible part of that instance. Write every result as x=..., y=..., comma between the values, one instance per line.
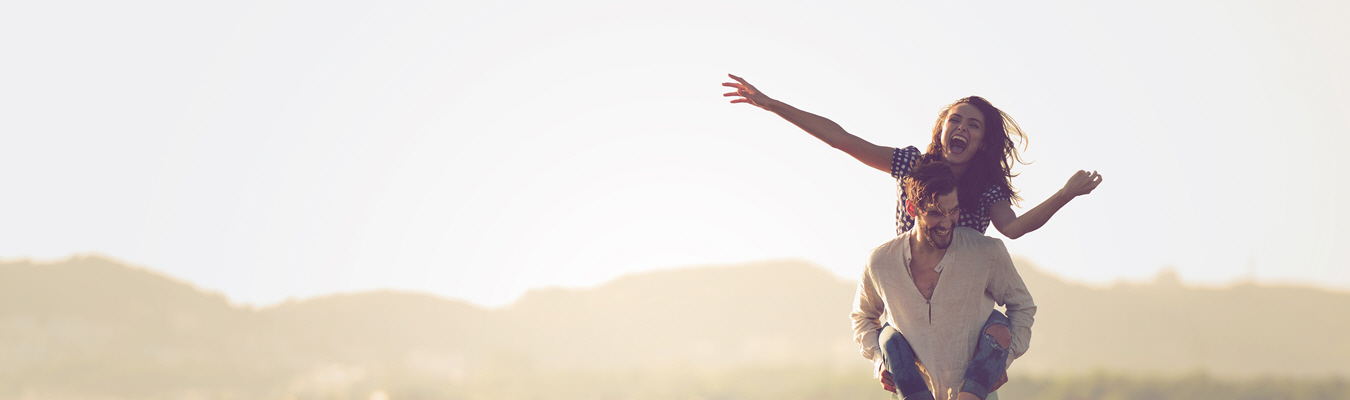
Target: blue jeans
x=986, y=367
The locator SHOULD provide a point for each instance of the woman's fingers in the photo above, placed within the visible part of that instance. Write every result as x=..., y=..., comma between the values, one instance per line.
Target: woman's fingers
x=746, y=86
x=739, y=97
x=1096, y=180
x=741, y=92
x=745, y=92
x=1083, y=182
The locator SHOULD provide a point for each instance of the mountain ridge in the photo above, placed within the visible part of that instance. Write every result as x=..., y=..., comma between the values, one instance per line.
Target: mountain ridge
x=132, y=328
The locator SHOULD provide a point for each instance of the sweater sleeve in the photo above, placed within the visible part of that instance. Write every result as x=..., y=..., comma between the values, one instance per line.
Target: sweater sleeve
x=1007, y=289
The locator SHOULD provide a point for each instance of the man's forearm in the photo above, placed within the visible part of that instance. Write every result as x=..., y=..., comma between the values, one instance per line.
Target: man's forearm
x=1022, y=316
x=1007, y=288
x=866, y=318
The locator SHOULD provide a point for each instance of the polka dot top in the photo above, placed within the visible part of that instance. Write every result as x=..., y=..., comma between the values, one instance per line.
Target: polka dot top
x=978, y=219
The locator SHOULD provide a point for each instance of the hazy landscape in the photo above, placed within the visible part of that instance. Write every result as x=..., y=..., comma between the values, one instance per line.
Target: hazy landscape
x=90, y=327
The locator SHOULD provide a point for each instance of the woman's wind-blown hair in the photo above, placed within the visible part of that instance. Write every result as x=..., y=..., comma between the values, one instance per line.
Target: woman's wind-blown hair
x=992, y=163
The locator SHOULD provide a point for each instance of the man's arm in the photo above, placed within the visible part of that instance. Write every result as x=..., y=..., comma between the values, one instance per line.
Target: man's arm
x=1007, y=288
x=867, y=309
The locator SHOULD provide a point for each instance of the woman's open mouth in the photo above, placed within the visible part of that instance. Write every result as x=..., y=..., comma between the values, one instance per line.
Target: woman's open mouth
x=957, y=145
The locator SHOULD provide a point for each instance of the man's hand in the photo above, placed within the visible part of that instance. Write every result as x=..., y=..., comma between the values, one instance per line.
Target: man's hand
x=889, y=384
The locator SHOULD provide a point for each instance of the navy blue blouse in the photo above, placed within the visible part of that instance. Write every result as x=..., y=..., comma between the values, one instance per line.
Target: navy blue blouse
x=977, y=219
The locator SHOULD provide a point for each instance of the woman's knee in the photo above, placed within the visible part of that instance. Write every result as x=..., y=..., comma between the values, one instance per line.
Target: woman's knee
x=892, y=341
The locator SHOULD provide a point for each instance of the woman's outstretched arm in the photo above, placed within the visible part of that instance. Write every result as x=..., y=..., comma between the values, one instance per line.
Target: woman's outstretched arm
x=874, y=156
x=1014, y=226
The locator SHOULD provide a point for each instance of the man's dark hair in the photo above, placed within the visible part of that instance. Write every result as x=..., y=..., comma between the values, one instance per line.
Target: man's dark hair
x=929, y=178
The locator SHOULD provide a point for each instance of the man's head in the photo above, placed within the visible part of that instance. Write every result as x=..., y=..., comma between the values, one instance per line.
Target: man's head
x=931, y=191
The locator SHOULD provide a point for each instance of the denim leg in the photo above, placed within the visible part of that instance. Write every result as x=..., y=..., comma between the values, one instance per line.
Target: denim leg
x=899, y=359
x=990, y=361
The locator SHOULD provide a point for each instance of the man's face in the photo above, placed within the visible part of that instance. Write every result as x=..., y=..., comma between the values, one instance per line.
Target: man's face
x=937, y=221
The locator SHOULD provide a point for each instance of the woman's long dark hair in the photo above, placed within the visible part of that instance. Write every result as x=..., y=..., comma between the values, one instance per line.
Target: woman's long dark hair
x=992, y=163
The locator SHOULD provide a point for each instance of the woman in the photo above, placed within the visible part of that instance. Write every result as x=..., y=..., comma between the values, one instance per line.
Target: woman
x=971, y=135
x=976, y=140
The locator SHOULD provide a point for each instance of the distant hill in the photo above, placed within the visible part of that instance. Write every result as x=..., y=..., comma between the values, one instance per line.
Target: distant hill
x=1164, y=326
x=765, y=312
x=93, y=325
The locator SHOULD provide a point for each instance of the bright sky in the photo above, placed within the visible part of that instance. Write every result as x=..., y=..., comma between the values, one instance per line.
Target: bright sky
x=476, y=150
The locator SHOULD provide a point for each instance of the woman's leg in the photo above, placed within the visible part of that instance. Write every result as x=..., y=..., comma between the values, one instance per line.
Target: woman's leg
x=991, y=356
x=899, y=359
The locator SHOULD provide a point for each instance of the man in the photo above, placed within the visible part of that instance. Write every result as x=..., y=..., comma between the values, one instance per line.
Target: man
x=934, y=289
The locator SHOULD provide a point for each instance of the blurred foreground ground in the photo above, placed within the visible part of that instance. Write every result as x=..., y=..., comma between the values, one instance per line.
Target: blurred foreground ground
x=766, y=383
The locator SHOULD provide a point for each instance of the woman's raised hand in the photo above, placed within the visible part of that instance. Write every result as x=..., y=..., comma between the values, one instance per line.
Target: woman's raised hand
x=1081, y=183
x=746, y=93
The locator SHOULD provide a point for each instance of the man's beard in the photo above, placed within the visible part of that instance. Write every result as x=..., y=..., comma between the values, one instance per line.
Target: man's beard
x=932, y=238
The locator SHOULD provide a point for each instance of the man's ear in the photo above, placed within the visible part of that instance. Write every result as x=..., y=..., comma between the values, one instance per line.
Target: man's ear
x=911, y=209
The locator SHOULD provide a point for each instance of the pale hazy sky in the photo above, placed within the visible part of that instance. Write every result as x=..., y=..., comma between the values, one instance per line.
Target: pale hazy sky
x=476, y=150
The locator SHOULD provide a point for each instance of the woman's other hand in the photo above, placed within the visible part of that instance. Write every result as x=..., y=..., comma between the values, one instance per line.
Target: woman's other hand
x=1081, y=183
x=746, y=93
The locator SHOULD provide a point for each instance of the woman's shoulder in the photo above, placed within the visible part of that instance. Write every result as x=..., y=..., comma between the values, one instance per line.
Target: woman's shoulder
x=995, y=192
x=902, y=158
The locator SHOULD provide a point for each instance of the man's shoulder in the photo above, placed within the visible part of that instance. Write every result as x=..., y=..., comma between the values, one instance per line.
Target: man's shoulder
x=890, y=249
x=978, y=241
x=891, y=245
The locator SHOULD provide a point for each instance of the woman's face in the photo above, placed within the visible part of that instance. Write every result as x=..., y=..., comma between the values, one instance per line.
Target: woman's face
x=962, y=133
